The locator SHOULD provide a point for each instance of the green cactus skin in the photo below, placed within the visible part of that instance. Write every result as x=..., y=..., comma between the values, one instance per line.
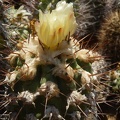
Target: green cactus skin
x=115, y=80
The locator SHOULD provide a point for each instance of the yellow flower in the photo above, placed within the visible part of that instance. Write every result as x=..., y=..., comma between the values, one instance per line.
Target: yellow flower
x=54, y=27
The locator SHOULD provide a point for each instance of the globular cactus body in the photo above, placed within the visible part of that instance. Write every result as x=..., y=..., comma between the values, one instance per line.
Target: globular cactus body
x=109, y=36
x=51, y=75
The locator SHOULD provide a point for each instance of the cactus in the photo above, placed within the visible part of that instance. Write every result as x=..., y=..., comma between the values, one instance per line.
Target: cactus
x=115, y=80
x=109, y=35
x=50, y=75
